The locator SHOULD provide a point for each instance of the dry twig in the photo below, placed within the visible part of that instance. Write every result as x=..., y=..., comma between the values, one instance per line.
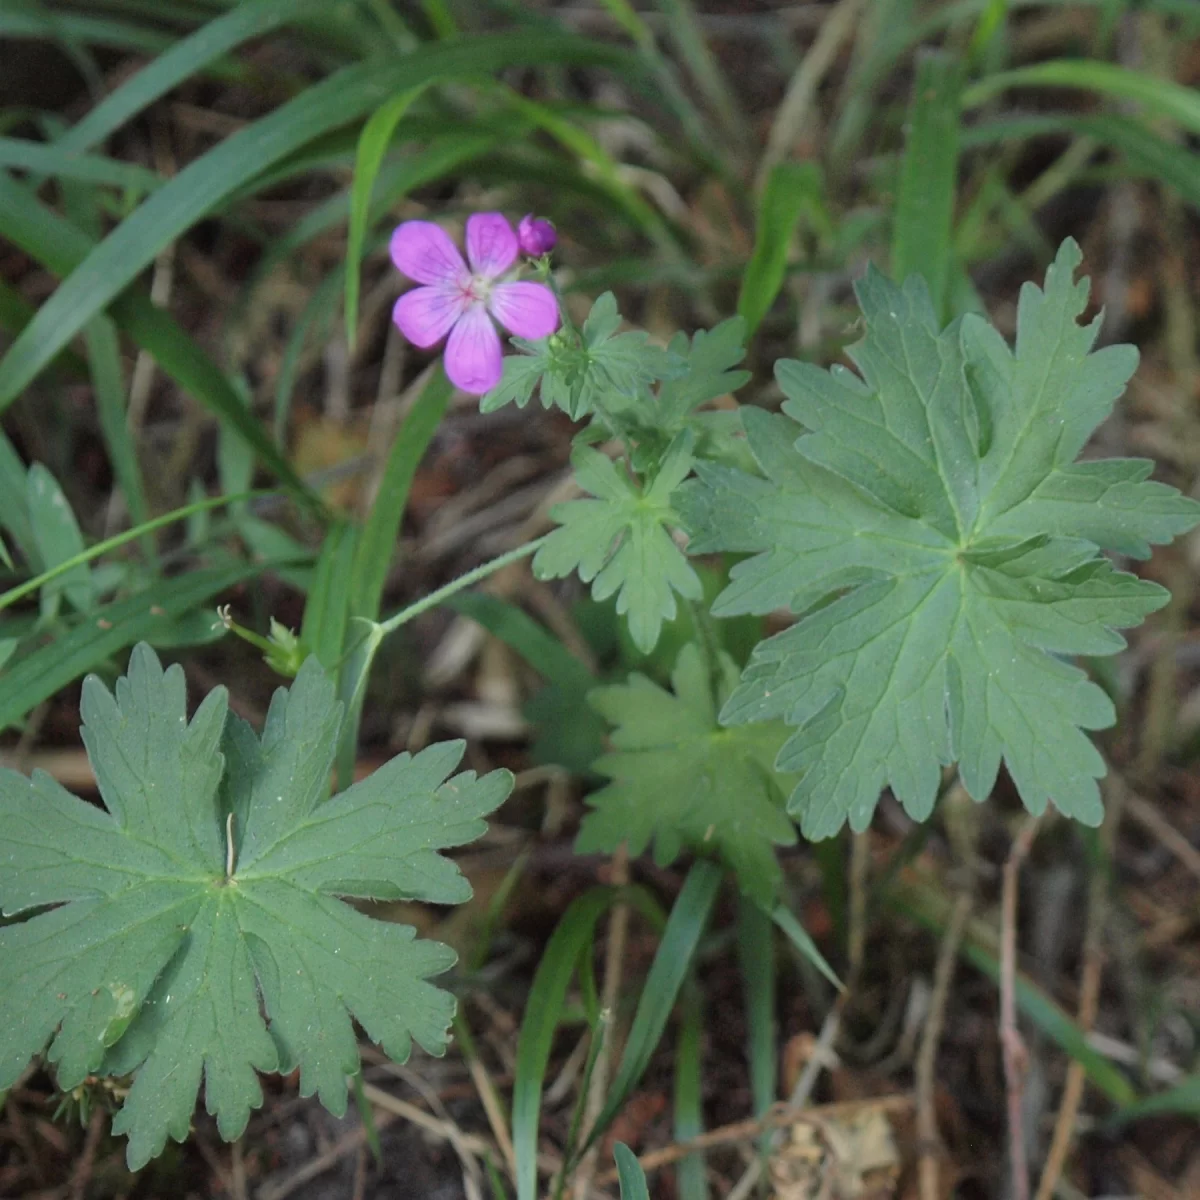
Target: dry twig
x=927, y=1129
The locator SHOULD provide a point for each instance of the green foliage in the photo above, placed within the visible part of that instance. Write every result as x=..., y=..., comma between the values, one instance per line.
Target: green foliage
x=680, y=780
x=211, y=886
x=582, y=373
x=57, y=538
x=619, y=541
x=930, y=523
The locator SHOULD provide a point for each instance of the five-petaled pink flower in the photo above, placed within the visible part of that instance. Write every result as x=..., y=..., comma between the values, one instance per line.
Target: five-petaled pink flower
x=457, y=301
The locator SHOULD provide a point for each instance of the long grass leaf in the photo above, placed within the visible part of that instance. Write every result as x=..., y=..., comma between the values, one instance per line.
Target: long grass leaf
x=51, y=160
x=183, y=60
x=921, y=238
x=377, y=545
x=1146, y=152
x=376, y=136
x=342, y=98
x=800, y=938
x=630, y=1176
x=106, y=631
x=689, y=1114
x=108, y=384
x=1162, y=96
x=58, y=538
x=60, y=245
x=327, y=606
x=676, y=951
x=684, y=30
x=518, y=630
x=572, y=938
x=756, y=963
x=790, y=190
x=14, y=511
x=40, y=23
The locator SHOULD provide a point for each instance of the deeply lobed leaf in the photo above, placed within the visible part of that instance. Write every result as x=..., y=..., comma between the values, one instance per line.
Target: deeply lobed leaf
x=929, y=522
x=177, y=956
x=680, y=780
x=619, y=540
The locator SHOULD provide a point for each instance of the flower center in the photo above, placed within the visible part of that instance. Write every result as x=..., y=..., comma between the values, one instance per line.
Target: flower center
x=476, y=289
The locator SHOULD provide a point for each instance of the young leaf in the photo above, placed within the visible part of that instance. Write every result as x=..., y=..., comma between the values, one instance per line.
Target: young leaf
x=620, y=541
x=710, y=360
x=679, y=779
x=169, y=940
x=597, y=369
x=938, y=499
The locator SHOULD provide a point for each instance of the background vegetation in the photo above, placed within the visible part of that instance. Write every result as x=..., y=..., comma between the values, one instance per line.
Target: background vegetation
x=195, y=295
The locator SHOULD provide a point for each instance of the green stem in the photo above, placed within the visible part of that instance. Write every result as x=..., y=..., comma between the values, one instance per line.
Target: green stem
x=547, y=277
x=710, y=647
x=456, y=585
x=120, y=539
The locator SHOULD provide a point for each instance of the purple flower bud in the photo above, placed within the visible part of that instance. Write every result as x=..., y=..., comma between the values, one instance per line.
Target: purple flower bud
x=536, y=235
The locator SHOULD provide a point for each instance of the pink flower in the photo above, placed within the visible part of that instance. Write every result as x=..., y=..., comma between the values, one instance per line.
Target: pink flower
x=457, y=301
x=536, y=235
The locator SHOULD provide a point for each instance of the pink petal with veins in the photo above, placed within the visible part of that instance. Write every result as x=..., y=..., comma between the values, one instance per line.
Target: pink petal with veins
x=473, y=352
x=426, y=314
x=424, y=252
x=491, y=244
x=527, y=309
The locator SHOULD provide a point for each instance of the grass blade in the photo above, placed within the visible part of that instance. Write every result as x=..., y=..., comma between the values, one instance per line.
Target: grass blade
x=206, y=504
x=1183, y=1099
x=689, y=1119
x=756, y=960
x=686, y=924
x=372, y=145
x=685, y=32
x=184, y=59
x=14, y=511
x=327, y=608
x=104, y=354
x=517, y=629
x=105, y=632
x=58, y=539
x=60, y=245
x=572, y=938
x=791, y=190
x=1160, y=96
x=921, y=239
x=798, y=936
x=52, y=160
x=1146, y=152
x=377, y=545
x=630, y=1175
x=336, y=101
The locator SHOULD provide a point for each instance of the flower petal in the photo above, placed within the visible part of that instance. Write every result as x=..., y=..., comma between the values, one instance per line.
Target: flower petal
x=426, y=314
x=473, y=352
x=527, y=309
x=424, y=252
x=491, y=244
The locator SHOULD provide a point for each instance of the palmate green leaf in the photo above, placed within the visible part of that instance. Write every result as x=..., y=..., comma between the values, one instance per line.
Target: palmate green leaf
x=944, y=548
x=208, y=894
x=680, y=780
x=619, y=540
x=596, y=370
